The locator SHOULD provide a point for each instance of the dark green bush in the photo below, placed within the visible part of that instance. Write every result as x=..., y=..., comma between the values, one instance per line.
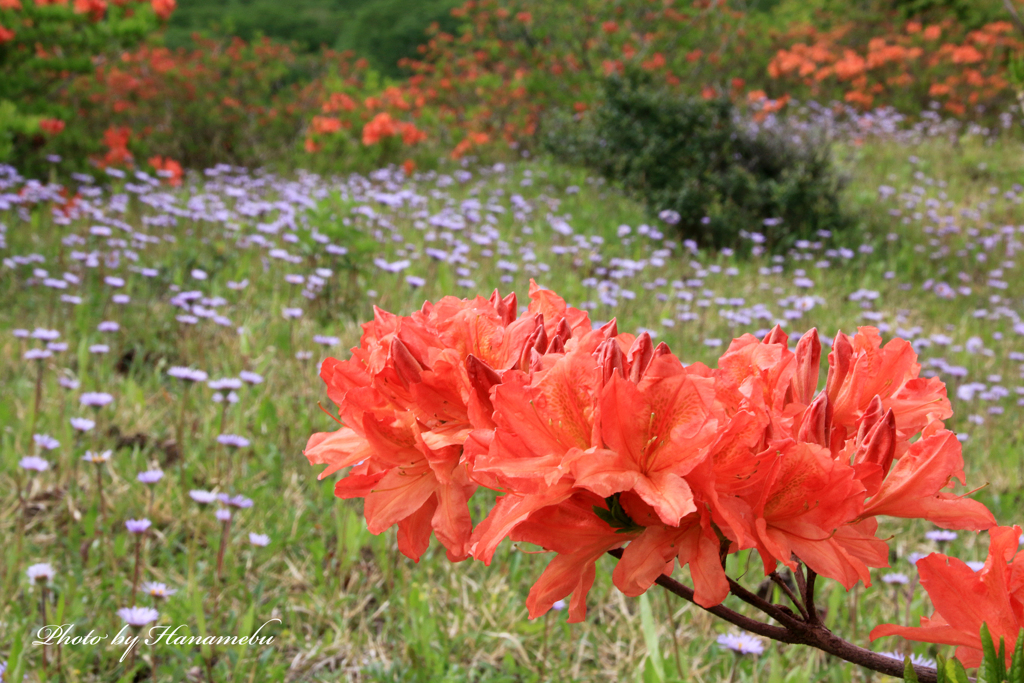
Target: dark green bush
x=697, y=158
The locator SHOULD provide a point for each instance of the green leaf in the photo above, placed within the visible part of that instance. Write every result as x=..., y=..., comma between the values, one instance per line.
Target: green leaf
x=197, y=611
x=1017, y=665
x=993, y=670
x=955, y=672
x=651, y=637
x=909, y=674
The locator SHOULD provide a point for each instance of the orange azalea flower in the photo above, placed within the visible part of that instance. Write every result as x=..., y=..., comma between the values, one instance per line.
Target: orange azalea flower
x=6, y=35
x=933, y=32
x=965, y=599
x=10, y=4
x=654, y=431
x=609, y=27
x=408, y=166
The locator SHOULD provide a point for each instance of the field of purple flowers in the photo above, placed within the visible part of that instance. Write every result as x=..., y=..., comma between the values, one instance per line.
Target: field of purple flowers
x=160, y=350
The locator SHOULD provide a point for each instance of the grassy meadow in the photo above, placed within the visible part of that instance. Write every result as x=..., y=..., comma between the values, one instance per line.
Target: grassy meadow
x=241, y=272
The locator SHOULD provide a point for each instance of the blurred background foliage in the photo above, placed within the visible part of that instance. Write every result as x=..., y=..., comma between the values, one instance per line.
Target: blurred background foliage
x=382, y=31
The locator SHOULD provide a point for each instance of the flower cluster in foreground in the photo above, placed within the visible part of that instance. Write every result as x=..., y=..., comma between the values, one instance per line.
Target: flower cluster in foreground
x=598, y=439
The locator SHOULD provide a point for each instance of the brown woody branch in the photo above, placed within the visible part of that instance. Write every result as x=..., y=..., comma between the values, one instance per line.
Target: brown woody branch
x=795, y=629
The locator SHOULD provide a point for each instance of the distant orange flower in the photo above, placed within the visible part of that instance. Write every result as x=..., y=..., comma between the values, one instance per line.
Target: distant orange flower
x=408, y=166
x=164, y=8
x=167, y=168
x=693, y=55
x=6, y=35
x=524, y=17
x=966, y=54
x=932, y=32
x=51, y=126
x=324, y=125
x=756, y=96
x=609, y=27
x=10, y=4
x=94, y=8
x=381, y=126
x=913, y=27
x=708, y=93
x=311, y=145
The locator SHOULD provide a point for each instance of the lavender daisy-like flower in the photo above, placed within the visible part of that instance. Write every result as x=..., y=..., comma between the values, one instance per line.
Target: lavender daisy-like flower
x=202, y=497
x=97, y=458
x=941, y=535
x=69, y=383
x=37, y=354
x=558, y=605
x=233, y=440
x=158, y=590
x=187, y=373
x=742, y=643
x=150, y=476
x=896, y=579
x=137, y=526
x=82, y=424
x=108, y=326
x=225, y=383
x=41, y=573
x=45, y=441
x=45, y=335
x=261, y=540
x=325, y=340
x=223, y=515
x=34, y=463
x=96, y=399
x=99, y=348
x=975, y=565
x=250, y=377
x=138, y=616
x=238, y=501
x=916, y=660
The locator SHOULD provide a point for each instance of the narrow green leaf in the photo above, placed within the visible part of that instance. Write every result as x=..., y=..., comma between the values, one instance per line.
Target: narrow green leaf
x=245, y=629
x=197, y=610
x=1017, y=666
x=651, y=636
x=992, y=669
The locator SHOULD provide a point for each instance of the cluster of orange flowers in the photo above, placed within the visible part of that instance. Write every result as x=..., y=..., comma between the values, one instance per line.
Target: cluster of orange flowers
x=96, y=9
x=961, y=73
x=598, y=438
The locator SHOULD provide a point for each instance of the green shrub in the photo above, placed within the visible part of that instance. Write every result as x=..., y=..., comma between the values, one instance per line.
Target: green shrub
x=697, y=158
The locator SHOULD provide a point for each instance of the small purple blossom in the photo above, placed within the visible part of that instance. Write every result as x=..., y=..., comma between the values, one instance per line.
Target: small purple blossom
x=741, y=643
x=137, y=526
x=150, y=476
x=202, y=497
x=261, y=540
x=96, y=399
x=233, y=440
x=45, y=441
x=34, y=463
x=187, y=373
x=82, y=424
x=138, y=616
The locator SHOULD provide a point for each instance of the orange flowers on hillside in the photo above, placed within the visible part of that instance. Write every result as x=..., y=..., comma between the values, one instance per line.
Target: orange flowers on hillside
x=383, y=126
x=597, y=438
x=6, y=35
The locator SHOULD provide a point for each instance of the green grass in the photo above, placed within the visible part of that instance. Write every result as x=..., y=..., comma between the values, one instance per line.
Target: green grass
x=350, y=607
